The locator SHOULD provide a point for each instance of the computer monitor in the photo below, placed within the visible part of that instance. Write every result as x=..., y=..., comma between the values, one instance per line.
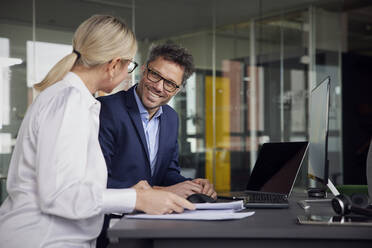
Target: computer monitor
x=318, y=137
x=318, y=147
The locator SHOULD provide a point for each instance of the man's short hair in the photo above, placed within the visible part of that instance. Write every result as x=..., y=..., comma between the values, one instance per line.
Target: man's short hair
x=174, y=53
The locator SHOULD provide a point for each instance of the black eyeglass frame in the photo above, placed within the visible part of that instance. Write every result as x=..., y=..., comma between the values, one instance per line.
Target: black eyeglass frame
x=165, y=81
x=135, y=65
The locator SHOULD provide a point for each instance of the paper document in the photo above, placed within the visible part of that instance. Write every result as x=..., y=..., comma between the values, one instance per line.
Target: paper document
x=237, y=205
x=226, y=214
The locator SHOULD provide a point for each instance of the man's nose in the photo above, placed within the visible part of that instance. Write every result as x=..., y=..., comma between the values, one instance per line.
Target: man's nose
x=159, y=86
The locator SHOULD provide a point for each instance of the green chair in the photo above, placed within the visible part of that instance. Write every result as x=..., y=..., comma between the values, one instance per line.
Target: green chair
x=352, y=189
x=357, y=193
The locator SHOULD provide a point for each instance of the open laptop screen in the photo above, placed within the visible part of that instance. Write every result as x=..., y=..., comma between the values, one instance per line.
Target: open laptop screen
x=277, y=166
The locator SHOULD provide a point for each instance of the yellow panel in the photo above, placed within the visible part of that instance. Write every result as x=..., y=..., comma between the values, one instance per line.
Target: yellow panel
x=222, y=182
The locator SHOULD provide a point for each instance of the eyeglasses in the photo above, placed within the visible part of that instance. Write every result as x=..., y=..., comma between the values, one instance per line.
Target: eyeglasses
x=155, y=78
x=131, y=66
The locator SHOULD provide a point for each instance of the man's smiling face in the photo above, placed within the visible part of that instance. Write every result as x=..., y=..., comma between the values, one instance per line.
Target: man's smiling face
x=153, y=94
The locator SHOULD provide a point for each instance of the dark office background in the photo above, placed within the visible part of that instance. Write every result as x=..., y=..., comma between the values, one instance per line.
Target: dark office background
x=357, y=115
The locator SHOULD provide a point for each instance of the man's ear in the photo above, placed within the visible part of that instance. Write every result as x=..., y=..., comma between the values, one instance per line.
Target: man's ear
x=178, y=90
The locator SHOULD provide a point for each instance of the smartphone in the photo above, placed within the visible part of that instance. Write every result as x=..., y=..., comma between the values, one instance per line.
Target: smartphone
x=352, y=220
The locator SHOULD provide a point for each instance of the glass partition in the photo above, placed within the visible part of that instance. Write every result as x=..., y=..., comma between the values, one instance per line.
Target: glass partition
x=256, y=62
x=13, y=88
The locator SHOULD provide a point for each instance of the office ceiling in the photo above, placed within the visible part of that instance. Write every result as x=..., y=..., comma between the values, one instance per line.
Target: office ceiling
x=154, y=19
x=158, y=19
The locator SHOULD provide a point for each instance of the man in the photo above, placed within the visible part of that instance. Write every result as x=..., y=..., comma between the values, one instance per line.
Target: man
x=138, y=130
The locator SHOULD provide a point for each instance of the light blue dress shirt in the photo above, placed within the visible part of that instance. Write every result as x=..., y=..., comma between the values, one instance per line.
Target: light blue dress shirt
x=151, y=130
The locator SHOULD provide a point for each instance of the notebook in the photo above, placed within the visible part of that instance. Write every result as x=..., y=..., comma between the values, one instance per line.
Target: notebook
x=273, y=176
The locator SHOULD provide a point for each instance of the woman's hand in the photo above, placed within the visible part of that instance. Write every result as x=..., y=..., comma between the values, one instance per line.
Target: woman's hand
x=152, y=201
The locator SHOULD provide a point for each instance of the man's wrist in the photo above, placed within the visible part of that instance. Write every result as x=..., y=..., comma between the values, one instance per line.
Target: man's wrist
x=158, y=187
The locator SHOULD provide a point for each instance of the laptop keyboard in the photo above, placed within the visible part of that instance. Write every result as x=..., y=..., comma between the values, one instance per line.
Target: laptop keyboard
x=260, y=197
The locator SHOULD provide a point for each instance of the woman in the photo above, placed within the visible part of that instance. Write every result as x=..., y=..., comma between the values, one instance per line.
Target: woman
x=57, y=175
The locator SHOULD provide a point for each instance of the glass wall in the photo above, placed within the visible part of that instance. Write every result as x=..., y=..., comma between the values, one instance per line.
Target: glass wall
x=256, y=62
x=255, y=90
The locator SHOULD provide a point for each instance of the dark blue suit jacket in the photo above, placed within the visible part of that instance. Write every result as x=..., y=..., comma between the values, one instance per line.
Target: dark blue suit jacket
x=124, y=146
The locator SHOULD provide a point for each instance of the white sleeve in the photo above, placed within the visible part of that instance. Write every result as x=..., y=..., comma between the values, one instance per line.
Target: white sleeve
x=61, y=163
x=119, y=200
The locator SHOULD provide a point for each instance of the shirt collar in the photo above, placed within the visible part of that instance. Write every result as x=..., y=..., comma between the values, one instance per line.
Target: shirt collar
x=143, y=111
x=79, y=84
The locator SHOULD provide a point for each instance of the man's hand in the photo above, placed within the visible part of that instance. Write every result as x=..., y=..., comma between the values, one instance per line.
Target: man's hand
x=207, y=187
x=183, y=189
x=143, y=184
x=153, y=201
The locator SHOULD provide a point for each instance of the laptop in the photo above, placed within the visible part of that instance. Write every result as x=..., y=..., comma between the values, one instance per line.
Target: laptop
x=273, y=176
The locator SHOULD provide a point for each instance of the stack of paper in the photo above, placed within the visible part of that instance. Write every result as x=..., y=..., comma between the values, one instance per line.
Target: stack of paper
x=204, y=211
x=236, y=205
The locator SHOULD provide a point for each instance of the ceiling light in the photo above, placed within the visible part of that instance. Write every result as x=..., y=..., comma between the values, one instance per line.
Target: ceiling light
x=110, y=3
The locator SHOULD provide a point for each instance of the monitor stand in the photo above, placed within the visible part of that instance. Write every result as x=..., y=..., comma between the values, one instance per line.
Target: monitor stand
x=304, y=203
x=332, y=188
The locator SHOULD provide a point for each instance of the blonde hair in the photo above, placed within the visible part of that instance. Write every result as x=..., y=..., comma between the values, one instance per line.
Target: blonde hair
x=97, y=40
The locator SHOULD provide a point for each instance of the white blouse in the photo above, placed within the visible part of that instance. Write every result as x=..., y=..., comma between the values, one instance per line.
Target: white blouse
x=57, y=175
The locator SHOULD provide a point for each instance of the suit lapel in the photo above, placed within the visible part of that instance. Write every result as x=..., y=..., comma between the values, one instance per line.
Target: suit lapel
x=136, y=118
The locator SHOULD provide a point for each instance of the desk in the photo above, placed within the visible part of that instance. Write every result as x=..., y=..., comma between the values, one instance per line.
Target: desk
x=266, y=228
